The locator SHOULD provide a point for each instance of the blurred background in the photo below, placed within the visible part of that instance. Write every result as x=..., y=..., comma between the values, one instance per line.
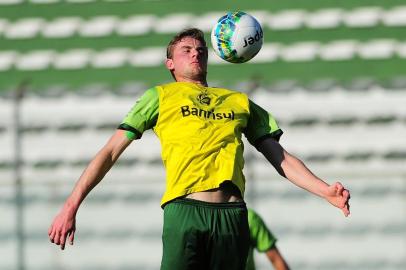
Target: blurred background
x=332, y=72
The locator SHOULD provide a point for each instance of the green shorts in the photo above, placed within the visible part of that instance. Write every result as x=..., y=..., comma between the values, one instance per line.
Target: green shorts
x=200, y=235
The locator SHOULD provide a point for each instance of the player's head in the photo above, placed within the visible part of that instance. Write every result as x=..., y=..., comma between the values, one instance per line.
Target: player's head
x=186, y=56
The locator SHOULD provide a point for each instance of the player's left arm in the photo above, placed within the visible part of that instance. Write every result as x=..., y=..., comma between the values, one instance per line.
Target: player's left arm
x=296, y=171
x=276, y=258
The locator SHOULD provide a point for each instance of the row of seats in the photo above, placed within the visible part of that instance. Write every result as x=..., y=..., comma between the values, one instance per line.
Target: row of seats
x=303, y=122
x=64, y=27
x=289, y=106
x=74, y=59
x=336, y=142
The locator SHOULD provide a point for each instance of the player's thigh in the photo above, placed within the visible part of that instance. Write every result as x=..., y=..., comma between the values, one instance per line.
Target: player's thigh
x=181, y=239
x=229, y=248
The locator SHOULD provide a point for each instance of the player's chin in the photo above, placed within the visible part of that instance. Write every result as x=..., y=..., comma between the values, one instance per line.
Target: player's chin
x=198, y=73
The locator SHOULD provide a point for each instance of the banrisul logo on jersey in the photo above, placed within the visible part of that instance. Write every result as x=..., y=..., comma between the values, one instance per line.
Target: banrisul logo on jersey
x=206, y=114
x=204, y=98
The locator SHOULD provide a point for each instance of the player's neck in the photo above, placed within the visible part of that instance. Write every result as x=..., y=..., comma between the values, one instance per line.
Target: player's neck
x=202, y=82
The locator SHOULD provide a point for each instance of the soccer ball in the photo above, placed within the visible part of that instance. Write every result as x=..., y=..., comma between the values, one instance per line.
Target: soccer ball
x=237, y=37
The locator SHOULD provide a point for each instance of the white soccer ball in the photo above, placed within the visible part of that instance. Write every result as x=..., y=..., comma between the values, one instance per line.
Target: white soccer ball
x=237, y=37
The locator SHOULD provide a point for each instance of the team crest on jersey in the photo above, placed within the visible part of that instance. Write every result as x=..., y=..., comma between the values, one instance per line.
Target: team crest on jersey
x=204, y=98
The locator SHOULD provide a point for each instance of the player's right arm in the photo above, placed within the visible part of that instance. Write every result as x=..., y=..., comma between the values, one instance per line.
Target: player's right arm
x=63, y=225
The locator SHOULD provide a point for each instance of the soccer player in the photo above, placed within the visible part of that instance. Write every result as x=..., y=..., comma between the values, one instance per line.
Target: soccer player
x=262, y=239
x=200, y=130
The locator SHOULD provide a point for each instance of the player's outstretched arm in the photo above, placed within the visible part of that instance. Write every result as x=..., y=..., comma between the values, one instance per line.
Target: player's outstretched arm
x=63, y=226
x=295, y=170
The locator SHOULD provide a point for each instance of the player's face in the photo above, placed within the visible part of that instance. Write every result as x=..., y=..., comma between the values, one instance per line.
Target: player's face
x=189, y=60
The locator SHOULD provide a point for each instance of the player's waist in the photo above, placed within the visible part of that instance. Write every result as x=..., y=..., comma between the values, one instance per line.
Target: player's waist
x=226, y=193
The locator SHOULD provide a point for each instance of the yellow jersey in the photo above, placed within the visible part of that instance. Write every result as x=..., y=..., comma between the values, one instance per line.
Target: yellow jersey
x=200, y=130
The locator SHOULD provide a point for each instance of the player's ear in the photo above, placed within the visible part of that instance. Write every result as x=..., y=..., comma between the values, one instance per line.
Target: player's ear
x=169, y=64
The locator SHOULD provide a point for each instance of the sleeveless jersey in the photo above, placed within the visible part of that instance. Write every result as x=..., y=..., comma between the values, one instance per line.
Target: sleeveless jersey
x=200, y=130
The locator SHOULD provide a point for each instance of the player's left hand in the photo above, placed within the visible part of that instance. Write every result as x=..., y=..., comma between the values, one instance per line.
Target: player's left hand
x=338, y=196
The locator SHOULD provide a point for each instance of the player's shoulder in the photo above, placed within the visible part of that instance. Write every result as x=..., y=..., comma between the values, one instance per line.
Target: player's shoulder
x=230, y=92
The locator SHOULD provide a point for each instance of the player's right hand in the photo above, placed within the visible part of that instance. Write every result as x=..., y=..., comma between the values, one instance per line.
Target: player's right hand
x=62, y=228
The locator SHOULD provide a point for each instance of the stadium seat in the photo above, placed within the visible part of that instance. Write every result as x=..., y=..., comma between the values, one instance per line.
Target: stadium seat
x=35, y=60
x=173, y=23
x=323, y=19
x=61, y=27
x=395, y=16
x=286, y=20
x=72, y=59
x=135, y=25
x=111, y=58
x=362, y=17
x=98, y=26
x=302, y=51
x=338, y=50
x=24, y=28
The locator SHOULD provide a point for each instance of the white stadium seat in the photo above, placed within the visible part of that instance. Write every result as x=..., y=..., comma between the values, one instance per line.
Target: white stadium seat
x=98, y=26
x=35, y=60
x=362, y=17
x=286, y=20
x=23, y=28
x=324, y=18
x=10, y=2
x=61, y=27
x=7, y=59
x=135, y=25
x=395, y=17
x=111, y=58
x=72, y=59
x=338, y=50
x=377, y=49
x=173, y=23
x=301, y=51
x=153, y=56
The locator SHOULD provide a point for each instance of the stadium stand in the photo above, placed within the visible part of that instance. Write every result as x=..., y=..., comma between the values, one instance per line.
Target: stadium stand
x=331, y=73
